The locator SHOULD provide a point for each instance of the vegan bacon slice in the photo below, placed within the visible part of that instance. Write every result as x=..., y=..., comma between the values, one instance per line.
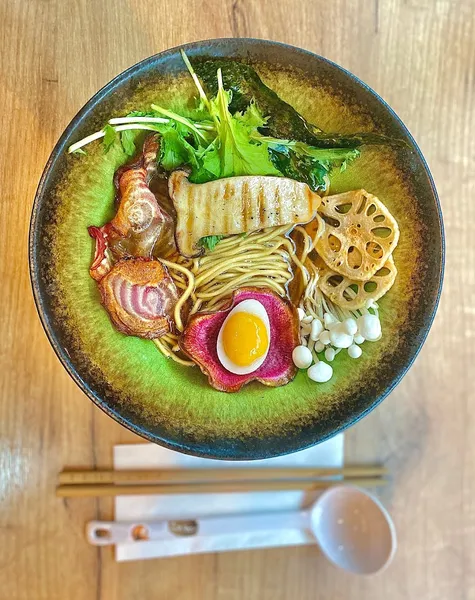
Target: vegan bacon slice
x=140, y=297
x=140, y=226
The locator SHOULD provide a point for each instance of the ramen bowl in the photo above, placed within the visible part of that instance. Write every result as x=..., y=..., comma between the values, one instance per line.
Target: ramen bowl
x=172, y=405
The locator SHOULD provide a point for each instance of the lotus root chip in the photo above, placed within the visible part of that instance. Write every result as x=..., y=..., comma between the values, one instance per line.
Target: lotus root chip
x=351, y=293
x=360, y=234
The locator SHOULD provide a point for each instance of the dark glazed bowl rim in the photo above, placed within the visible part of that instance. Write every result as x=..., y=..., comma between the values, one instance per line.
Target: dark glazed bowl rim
x=190, y=448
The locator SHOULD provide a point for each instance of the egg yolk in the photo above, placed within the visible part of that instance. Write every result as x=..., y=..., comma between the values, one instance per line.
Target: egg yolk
x=245, y=338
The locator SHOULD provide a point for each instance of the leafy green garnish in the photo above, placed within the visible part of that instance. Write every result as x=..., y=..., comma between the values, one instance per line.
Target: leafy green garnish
x=173, y=152
x=210, y=241
x=237, y=126
x=239, y=153
x=246, y=87
x=311, y=172
x=109, y=137
x=303, y=162
x=179, y=120
x=321, y=154
x=127, y=140
x=141, y=113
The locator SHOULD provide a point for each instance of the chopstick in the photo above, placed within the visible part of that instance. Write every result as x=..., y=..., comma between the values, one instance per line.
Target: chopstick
x=173, y=476
x=99, y=490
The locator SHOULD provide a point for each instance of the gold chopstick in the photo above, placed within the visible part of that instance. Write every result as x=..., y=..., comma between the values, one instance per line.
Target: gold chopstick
x=98, y=490
x=172, y=476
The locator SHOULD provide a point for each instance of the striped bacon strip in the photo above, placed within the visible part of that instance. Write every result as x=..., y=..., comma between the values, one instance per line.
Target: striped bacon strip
x=140, y=297
x=140, y=227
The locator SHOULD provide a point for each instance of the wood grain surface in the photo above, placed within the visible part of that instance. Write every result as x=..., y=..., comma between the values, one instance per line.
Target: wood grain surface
x=420, y=56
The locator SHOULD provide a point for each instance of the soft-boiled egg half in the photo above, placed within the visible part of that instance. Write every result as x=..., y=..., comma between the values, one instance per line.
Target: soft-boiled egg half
x=251, y=339
x=244, y=338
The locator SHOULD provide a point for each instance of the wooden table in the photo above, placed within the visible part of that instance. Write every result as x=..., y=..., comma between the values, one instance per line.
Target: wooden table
x=420, y=56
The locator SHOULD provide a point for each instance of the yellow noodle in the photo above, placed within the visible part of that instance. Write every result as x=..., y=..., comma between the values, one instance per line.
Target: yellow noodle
x=186, y=294
x=196, y=307
x=169, y=354
x=262, y=259
x=229, y=262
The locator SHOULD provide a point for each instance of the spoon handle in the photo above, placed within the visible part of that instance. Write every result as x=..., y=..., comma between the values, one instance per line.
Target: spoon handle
x=104, y=533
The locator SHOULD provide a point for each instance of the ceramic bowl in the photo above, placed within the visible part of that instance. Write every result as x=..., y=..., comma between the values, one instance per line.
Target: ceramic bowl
x=172, y=405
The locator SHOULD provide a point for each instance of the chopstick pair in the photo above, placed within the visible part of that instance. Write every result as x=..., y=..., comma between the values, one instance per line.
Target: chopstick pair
x=185, y=481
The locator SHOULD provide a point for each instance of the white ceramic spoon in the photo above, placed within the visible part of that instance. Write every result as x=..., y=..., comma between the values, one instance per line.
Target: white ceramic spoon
x=351, y=526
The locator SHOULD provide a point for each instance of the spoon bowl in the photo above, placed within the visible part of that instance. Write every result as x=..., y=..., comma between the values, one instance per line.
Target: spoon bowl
x=354, y=530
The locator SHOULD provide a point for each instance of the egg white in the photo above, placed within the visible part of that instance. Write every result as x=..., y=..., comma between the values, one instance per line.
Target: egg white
x=252, y=307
